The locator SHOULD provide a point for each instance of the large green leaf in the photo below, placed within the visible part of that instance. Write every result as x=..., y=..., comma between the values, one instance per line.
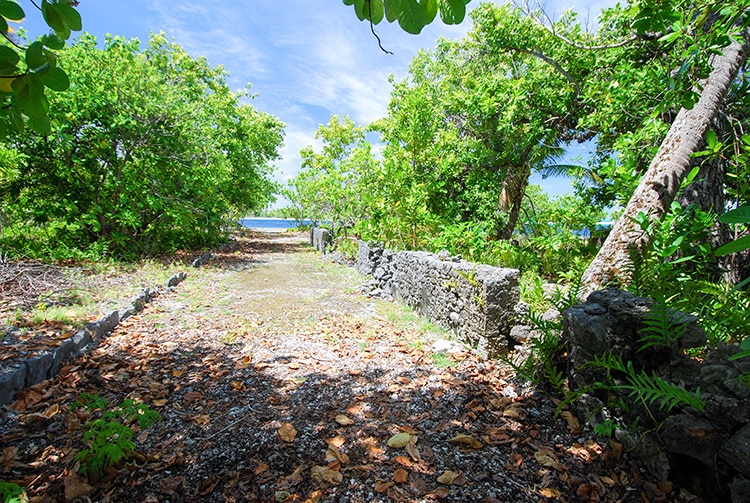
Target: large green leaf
x=30, y=97
x=11, y=10
x=392, y=10
x=739, y=215
x=452, y=11
x=430, y=9
x=40, y=124
x=53, y=42
x=360, y=8
x=52, y=17
x=35, y=56
x=377, y=11
x=56, y=79
x=735, y=246
x=70, y=16
x=8, y=60
x=412, y=18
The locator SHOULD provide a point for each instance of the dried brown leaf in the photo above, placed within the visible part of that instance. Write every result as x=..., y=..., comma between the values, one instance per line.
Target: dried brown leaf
x=467, y=442
x=336, y=441
x=448, y=477
x=344, y=420
x=76, y=487
x=546, y=457
x=202, y=419
x=382, y=486
x=287, y=432
x=400, y=476
x=550, y=493
x=324, y=475
x=573, y=424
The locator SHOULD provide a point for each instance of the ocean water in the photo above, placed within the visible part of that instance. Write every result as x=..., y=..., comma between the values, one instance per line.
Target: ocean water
x=270, y=224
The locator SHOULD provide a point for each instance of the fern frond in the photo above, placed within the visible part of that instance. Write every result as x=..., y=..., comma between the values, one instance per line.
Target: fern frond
x=647, y=388
x=662, y=327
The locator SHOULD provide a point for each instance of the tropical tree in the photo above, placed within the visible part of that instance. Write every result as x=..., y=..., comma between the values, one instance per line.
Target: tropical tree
x=720, y=46
x=149, y=152
x=332, y=183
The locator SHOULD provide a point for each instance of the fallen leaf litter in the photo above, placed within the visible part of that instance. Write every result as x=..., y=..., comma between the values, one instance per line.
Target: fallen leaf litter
x=276, y=382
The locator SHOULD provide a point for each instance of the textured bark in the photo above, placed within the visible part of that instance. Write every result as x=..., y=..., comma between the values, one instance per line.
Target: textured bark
x=659, y=185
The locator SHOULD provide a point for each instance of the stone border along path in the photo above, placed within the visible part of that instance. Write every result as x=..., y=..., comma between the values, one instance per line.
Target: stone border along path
x=35, y=369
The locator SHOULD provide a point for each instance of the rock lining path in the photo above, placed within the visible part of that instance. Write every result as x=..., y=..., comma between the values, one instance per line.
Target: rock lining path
x=277, y=381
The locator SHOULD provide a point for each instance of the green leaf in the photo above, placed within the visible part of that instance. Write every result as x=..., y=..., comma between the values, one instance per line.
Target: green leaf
x=56, y=79
x=735, y=246
x=412, y=18
x=739, y=215
x=40, y=124
x=348, y=2
x=30, y=97
x=8, y=60
x=53, y=42
x=392, y=10
x=452, y=11
x=360, y=8
x=3, y=25
x=52, y=17
x=11, y=10
x=35, y=57
x=431, y=9
x=70, y=16
x=693, y=173
x=377, y=11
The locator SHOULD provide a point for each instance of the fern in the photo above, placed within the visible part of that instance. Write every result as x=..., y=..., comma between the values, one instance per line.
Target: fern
x=563, y=300
x=661, y=327
x=644, y=387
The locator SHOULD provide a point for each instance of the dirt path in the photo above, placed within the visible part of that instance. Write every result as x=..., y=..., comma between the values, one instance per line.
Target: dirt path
x=276, y=381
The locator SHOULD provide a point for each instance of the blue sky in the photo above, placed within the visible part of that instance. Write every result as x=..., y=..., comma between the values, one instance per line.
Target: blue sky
x=305, y=59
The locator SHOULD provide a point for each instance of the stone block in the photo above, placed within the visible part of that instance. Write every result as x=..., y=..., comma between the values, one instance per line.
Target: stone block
x=62, y=353
x=736, y=451
x=38, y=368
x=692, y=436
x=12, y=380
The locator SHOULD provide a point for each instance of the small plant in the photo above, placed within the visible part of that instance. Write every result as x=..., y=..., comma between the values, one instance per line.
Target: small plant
x=109, y=437
x=661, y=327
x=646, y=388
x=229, y=338
x=606, y=428
x=11, y=492
x=442, y=360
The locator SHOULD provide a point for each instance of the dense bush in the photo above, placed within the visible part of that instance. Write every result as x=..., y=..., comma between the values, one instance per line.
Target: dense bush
x=149, y=152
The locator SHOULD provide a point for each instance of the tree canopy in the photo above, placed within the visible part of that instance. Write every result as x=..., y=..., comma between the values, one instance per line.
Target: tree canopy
x=150, y=151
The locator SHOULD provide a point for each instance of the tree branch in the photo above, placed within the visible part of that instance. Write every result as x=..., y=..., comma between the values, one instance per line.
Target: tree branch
x=550, y=27
x=372, y=28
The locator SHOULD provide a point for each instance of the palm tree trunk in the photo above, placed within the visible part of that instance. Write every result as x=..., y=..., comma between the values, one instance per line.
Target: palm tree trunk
x=662, y=180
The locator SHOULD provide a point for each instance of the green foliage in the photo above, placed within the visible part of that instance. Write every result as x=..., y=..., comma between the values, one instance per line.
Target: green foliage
x=11, y=492
x=442, y=360
x=26, y=72
x=334, y=185
x=739, y=215
x=661, y=328
x=109, y=437
x=151, y=152
x=639, y=385
x=412, y=15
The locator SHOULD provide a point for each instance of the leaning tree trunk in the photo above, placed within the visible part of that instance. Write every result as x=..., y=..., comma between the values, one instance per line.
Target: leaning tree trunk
x=662, y=180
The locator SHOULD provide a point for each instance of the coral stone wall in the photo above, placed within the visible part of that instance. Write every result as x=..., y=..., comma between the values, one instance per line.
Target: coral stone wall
x=474, y=301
